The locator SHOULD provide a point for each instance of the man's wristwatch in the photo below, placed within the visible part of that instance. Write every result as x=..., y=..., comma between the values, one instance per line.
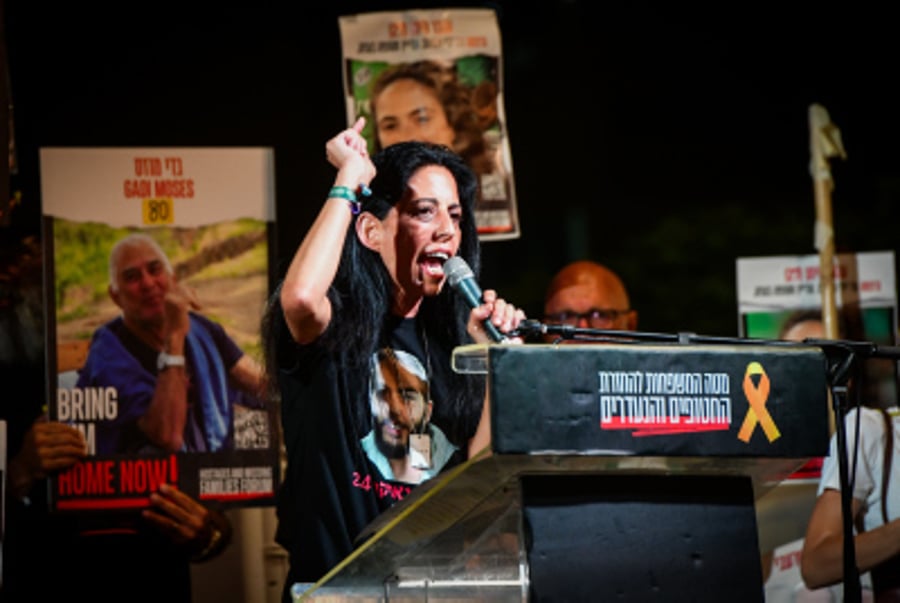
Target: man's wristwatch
x=164, y=361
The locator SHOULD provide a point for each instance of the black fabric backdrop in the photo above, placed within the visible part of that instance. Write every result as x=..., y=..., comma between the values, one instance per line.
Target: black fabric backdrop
x=663, y=141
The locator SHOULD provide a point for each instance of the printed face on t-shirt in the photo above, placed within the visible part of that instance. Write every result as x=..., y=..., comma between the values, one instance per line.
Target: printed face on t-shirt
x=399, y=402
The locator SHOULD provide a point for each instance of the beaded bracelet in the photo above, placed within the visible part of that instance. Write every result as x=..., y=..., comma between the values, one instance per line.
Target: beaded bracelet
x=343, y=192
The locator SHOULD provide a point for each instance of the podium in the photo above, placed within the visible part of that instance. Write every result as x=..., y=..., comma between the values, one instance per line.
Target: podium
x=619, y=472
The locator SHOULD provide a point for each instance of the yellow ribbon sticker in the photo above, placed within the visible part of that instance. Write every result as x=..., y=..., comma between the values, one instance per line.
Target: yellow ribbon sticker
x=757, y=413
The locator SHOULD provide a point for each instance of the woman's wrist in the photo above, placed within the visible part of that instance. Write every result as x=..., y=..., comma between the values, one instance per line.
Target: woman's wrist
x=352, y=195
x=349, y=176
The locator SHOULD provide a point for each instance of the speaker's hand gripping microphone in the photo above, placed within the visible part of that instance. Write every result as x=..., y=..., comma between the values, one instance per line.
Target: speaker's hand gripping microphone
x=462, y=279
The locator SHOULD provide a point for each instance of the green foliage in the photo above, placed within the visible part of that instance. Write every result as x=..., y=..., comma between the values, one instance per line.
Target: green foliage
x=81, y=260
x=472, y=70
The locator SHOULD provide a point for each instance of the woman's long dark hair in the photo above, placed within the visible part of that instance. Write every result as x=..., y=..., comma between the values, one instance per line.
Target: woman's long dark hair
x=362, y=293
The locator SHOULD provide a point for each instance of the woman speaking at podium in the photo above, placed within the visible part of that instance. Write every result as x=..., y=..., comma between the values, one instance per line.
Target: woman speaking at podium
x=368, y=275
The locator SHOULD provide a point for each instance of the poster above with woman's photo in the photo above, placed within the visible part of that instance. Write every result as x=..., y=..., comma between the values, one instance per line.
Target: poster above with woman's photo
x=436, y=76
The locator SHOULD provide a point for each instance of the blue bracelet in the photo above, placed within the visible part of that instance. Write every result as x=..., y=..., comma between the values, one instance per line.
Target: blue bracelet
x=343, y=192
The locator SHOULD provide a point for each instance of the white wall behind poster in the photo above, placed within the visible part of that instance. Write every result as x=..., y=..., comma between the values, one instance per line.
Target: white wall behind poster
x=252, y=570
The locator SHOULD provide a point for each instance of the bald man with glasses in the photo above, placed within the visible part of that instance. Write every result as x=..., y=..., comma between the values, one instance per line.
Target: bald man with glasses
x=586, y=294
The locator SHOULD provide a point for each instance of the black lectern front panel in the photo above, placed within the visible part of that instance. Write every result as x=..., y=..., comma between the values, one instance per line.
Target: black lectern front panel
x=659, y=400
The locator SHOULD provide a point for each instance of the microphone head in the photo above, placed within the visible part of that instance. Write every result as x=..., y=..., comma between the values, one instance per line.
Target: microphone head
x=457, y=270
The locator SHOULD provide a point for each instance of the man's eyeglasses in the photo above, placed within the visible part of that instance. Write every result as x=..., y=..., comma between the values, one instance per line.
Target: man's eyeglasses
x=596, y=318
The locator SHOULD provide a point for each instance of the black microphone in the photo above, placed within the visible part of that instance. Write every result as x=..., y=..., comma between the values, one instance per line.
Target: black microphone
x=462, y=279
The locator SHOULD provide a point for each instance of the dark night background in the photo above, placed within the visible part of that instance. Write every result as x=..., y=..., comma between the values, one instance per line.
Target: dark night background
x=662, y=140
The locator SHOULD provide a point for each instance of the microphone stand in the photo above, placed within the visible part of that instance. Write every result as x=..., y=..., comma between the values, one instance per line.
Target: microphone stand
x=530, y=329
x=842, y=357
x=839, y=397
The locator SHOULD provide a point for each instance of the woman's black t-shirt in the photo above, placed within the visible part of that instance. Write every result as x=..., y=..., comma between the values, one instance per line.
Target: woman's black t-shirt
x=332, y=490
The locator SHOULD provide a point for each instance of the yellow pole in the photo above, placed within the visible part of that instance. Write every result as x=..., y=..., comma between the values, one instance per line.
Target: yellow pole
x=825, y=142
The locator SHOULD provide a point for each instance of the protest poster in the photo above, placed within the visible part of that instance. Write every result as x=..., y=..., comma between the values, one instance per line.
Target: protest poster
x=209, y=212
x=436, y=75
x=776, y=293
x=779, y=297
